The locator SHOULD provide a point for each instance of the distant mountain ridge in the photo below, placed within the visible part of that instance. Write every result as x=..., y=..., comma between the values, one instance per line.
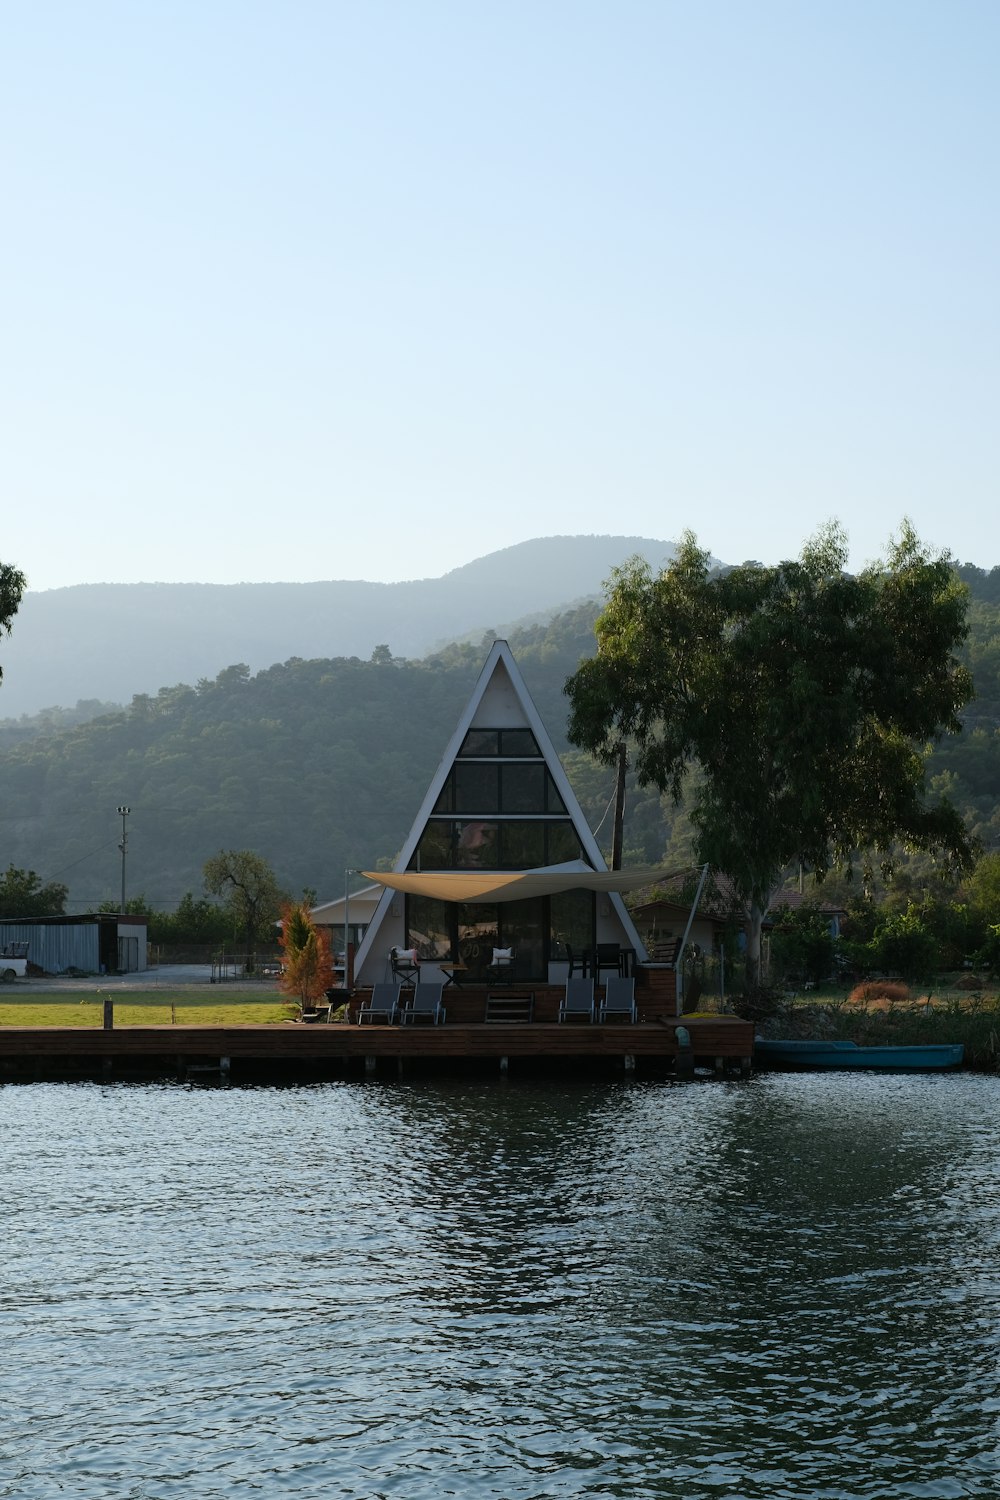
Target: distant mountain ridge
x=112, y=641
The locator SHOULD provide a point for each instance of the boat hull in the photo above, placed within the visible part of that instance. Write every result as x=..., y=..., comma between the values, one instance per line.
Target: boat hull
x=829, y=1055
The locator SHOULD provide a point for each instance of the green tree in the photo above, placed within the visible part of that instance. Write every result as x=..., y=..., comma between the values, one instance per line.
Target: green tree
x=25, y=894
x=802, y=945
x=249, y=891
x=12, y=586
x=984, y=886
x=803, y=697
x=905, y=944
x=195, y=921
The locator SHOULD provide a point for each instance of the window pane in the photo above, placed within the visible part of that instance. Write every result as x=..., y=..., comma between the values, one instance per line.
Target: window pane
x=572, y=919
x=523, y=788
x=523, y=928
x=517, y=742
x=523, y=845
x=555, y=803
x=478, y=935
x=475, y=846
x=428, y=927
x=563, y=844
x=476, y=788
x=434, y=850
x=446, y=802
x=480, y=742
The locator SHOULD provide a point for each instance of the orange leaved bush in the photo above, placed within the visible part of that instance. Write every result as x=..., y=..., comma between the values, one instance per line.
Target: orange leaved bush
x=308, y=963
x=875, y=990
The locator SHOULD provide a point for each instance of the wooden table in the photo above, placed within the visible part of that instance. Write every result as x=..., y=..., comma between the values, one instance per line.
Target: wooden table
x=454, y=974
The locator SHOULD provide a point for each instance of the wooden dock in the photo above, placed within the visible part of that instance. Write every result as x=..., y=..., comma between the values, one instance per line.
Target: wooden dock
x=723, y=1043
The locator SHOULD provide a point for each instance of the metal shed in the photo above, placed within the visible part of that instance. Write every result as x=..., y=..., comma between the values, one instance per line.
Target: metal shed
x=96, y=943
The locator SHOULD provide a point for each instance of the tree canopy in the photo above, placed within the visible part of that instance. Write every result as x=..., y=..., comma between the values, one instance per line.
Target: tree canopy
x=23, y=893
x=12, y=586
x=249, y=890
x=800, y=698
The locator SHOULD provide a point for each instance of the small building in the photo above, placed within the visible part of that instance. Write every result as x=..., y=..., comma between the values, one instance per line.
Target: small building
x=94, y=943
x=662, y=922
x=354, y=910
x=500, y=856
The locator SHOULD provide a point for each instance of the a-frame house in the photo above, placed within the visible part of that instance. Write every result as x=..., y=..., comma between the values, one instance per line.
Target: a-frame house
x=499, y=855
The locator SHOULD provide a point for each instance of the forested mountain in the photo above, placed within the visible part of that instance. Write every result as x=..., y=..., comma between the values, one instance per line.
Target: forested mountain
x=110, y=641
x=316, y=765
x=321, y=764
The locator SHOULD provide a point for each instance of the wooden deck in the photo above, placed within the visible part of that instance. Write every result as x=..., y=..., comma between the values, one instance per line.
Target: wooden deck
x=721, y=1042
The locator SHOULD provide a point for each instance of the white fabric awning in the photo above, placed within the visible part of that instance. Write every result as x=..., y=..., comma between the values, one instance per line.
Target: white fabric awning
x=516, y=885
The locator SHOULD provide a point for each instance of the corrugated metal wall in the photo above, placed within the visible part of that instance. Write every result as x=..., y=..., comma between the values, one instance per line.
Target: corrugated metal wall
x=56, y=949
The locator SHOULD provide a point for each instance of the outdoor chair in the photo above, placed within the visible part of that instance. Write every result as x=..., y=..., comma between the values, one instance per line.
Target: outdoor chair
x=574, y=963
x=405, y=965
x=384, y=1002
x=619, y=999
x=578, y=1000
x=607, y=956
x=426, y=1002
x=503, y=968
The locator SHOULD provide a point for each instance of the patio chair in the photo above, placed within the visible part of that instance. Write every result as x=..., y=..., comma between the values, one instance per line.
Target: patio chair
x=619, y=999
x=607, y=956
x=578, y=1000
x=426, y=1002
x=503, y=968
x=575, y=963
x=405, y=965
x=384, y=1002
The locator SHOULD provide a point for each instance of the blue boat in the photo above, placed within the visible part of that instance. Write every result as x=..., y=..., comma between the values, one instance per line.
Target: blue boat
x=849, y=1055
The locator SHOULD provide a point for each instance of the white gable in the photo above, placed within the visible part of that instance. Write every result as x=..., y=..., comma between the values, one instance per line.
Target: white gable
x=500, y=706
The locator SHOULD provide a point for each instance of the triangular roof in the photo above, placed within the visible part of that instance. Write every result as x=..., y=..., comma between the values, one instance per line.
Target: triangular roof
x=499, y=700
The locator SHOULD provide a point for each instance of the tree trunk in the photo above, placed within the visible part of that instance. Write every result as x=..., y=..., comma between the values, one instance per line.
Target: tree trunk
x=754, y=927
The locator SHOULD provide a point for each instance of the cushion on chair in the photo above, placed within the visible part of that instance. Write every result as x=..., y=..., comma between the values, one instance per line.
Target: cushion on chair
x=503, y=955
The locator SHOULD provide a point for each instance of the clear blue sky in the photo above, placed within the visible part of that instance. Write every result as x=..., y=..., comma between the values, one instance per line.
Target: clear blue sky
x=314, y=290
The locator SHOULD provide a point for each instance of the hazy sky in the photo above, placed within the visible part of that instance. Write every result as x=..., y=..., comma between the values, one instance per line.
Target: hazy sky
x=309, y=290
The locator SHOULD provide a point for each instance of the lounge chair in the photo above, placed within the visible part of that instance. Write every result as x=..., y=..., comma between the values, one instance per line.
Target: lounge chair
x=578, y=1000
x=619, y=999
x=426, y=1002
x=384, y=1002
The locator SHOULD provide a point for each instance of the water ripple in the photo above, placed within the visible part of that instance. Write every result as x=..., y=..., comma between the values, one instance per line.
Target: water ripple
x=787, y=1288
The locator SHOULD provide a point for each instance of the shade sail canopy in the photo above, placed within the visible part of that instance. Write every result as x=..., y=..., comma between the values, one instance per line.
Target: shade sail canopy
x=473, y=886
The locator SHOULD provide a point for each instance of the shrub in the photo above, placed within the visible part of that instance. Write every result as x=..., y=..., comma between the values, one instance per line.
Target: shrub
x=308, y=968
x=904, y=944
x=874, y=990
x=757, y=1004
x=802, y=944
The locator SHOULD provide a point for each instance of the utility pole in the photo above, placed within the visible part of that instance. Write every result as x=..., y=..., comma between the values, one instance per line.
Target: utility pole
x=616, y=846
x=123, y=813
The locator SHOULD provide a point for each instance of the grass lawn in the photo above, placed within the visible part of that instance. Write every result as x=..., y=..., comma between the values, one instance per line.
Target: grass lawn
x=160, y=1008
x=941, y=1014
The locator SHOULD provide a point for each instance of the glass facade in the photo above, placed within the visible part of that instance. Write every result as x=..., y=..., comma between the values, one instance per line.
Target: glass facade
x=499, y=809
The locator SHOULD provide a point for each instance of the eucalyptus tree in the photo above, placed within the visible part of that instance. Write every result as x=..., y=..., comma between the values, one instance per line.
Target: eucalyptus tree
x=12, y=586
x=249, y=891
x=801, y=697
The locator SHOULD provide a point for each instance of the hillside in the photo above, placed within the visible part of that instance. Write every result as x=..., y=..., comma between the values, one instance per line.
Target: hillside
x=319, y=764
x=110, y=641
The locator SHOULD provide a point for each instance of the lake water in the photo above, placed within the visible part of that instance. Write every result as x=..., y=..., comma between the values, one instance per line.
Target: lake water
x=783, y=1288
